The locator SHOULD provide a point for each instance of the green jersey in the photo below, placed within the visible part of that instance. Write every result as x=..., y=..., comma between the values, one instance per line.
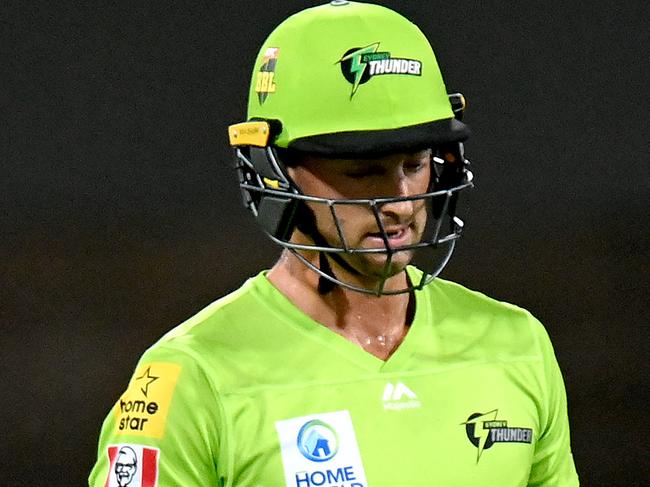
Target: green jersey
x=252, y=392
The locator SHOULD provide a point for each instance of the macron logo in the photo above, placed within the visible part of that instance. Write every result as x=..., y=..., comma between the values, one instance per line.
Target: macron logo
x=397, y=396
x=395, y=392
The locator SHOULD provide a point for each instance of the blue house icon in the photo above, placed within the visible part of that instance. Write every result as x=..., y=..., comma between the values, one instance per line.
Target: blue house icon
x=322, y=448
x=317, y=441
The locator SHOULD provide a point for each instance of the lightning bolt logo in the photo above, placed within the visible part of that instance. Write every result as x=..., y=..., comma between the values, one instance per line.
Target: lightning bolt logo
x=481, y=433
x=358, y=67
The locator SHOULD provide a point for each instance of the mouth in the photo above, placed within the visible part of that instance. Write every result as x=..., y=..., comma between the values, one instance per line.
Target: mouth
x=398, y=236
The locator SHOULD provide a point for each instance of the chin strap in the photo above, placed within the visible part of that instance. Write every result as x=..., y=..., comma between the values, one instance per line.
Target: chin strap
x=306, y=223
x=325, y=286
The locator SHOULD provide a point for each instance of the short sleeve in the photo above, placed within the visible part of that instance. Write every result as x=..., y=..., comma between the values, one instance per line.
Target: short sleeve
x=164, y=429
x=552, y=461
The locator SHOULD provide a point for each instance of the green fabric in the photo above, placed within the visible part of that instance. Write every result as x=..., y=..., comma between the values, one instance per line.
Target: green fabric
x=311, y=96
x=252, y=360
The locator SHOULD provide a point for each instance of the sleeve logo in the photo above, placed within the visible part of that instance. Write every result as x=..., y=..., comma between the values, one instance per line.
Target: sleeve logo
x=132, y=466
x=142, y=409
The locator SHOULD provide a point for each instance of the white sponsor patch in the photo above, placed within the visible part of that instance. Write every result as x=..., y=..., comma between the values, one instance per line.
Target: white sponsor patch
x=132, y=466
x=320, y=450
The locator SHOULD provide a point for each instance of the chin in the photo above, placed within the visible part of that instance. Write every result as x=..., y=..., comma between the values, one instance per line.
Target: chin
x=373, y=265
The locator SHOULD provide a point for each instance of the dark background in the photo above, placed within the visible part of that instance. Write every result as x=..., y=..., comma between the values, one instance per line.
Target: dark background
x=120, y=216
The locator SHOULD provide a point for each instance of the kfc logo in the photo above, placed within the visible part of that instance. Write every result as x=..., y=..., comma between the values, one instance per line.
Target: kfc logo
x=126, y=465
x=132, y=466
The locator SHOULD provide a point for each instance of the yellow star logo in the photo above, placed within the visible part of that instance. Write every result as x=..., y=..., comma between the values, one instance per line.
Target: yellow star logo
x=148, y=379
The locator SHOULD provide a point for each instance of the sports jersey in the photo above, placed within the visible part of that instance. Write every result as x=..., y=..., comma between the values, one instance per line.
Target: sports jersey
x=251, y=392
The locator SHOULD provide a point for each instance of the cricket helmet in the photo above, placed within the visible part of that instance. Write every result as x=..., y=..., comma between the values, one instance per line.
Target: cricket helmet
x=350, y=80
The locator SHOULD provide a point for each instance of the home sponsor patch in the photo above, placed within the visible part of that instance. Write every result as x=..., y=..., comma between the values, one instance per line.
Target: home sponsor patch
x=321, y=450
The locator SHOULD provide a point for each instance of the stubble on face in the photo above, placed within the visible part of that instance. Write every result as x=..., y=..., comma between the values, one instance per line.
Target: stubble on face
x=354, y=226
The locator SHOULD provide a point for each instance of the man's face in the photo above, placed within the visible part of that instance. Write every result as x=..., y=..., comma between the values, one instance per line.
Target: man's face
x=125, y=467
x=396, y=175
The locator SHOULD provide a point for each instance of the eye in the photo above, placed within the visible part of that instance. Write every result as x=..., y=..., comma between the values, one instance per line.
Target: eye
x=418, y=161
x=364, y=172
x=415, y=166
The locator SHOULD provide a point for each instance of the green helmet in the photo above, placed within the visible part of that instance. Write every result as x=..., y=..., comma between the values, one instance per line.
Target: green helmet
x=349, y=79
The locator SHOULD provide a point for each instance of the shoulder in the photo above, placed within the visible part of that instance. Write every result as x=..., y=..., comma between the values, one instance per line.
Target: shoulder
x=226, y=342
x=491, y=326
x=472, y=301
x=217, y=322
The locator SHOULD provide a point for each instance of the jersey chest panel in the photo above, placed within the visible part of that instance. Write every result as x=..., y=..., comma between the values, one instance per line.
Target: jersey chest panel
x=471, y=425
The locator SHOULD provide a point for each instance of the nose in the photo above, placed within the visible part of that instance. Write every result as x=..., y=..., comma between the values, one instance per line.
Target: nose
x=399, y=186
x=397, y=182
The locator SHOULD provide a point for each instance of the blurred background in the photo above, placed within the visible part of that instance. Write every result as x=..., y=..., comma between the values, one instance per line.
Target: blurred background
x=120, y=216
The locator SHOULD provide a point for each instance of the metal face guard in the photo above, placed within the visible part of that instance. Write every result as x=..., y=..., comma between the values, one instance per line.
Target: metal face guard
x=274, y=201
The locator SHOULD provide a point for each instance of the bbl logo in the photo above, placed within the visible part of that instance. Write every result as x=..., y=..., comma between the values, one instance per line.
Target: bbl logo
x=484, y=430
x=264, y=83
x=359, y=64
x=317, y=441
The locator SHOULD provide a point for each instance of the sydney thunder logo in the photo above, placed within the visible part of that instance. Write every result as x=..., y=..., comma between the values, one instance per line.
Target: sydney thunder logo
x=484, y=430
x=359, y=64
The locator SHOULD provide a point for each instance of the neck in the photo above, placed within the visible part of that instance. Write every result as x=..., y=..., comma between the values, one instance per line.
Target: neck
x=378, y=324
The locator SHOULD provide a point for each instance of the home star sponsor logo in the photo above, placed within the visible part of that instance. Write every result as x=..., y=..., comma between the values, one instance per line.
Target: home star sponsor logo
x=142, y=409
